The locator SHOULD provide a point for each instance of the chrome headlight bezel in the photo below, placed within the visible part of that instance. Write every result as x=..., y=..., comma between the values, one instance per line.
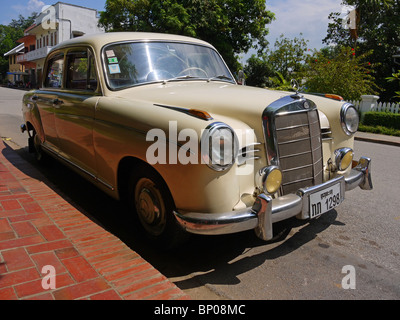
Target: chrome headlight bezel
x=349, y=119
x=213, y=158
x=340, y=155
x=263, y=179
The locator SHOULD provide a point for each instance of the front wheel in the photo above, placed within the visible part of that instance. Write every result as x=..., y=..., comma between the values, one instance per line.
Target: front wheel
x=152, y=202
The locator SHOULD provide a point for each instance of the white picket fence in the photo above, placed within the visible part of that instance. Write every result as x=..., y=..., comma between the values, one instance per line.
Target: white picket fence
x=370, y=103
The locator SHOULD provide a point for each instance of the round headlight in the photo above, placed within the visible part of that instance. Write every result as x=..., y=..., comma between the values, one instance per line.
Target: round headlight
x=349, y=119
x=270, y=179
x=219, y=146
x=343, y=158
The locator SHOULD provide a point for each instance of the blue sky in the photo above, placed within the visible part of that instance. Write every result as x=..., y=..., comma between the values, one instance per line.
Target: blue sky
x=309, y=17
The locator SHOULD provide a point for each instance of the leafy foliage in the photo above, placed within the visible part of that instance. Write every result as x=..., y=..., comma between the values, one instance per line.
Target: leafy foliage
x=9, y=34
x=258, y=71
x=348, y=74
x=277, y=67
x=395, y=78
x=385, y=119
x=289, y=55
x=378, y=30
x=232, y=26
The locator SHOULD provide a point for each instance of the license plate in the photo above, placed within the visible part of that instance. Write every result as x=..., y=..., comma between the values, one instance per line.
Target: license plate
x=325, y=200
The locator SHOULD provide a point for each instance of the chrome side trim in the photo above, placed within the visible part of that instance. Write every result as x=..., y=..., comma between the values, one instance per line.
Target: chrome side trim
x=248, y=153
x=183, y=110
x=91, y=175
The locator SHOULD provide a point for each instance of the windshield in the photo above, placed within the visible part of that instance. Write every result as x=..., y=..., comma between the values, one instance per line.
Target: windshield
x=130, y=64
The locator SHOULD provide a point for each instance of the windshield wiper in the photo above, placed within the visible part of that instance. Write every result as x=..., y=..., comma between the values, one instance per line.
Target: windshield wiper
x=220, y=77
x=186, y=77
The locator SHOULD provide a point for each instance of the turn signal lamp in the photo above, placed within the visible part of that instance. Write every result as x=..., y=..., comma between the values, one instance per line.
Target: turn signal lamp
x=200, y=114
x=334, y=96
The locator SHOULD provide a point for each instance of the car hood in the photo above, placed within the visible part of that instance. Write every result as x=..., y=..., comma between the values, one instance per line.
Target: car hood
x=217, y=98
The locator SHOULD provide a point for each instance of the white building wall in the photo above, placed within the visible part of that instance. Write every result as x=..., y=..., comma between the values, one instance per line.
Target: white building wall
x=76, y=19
x=69, y=19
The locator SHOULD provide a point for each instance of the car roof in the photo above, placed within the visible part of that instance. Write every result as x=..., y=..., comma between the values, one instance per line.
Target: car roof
x=99, y=40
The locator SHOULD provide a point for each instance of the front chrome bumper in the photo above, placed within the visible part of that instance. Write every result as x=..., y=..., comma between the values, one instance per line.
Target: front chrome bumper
x=266, y=211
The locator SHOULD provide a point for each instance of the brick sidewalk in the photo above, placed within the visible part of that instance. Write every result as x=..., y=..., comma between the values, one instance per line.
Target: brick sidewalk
x=39, y=228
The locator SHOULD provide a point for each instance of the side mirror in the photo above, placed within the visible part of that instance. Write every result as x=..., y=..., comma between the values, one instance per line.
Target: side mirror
x=241, y=78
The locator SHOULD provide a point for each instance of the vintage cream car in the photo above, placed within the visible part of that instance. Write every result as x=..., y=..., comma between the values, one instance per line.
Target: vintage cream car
x=159, y=121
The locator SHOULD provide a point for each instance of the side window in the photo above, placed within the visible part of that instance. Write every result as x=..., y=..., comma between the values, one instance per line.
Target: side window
x=54, y=75
x=81, y=72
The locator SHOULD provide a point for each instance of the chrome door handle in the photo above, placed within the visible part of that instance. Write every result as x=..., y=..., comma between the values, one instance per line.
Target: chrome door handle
x=57, y=102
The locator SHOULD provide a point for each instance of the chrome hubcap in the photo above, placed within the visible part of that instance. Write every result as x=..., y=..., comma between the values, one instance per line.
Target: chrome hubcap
x=150, y=207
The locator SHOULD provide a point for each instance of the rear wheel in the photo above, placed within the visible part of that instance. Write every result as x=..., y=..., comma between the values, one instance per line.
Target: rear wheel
x=35, y=146
x=152, y=202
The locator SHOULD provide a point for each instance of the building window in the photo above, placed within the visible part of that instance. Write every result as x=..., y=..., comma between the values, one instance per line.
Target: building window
x=55, y=38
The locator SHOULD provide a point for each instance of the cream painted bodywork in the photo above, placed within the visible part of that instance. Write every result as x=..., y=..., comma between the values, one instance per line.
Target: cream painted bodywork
x=122, y=119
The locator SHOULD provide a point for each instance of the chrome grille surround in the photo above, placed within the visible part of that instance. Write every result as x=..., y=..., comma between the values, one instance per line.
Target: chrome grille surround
x=293, y=142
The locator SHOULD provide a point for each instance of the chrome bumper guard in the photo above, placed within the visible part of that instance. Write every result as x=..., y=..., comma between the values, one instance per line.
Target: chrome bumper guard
x=266, y=211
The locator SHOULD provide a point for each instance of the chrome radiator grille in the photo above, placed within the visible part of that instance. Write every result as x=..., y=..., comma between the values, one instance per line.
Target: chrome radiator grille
x=299, y=150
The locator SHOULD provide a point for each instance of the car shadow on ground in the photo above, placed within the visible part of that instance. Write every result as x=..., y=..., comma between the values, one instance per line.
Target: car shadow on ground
x=201, y=259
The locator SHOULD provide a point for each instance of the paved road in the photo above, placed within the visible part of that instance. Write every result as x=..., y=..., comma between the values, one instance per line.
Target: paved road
x=305, y=262
x=11, y=115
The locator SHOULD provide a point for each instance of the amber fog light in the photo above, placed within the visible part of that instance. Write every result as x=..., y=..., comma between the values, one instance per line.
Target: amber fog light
x=343, y=158
x=270, y=179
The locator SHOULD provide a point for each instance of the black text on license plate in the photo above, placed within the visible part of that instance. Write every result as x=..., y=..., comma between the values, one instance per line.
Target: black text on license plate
x=325, y=200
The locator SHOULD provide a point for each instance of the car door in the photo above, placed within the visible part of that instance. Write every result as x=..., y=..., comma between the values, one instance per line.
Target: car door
x=46, y=98
x=75, y=110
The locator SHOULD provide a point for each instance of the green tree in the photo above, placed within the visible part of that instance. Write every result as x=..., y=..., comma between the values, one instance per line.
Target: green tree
x=378, y=31
x=9, y=34
x=395, y=78
x=348, y=74
x=258, y=71
x=275, y=68
x=278, y=82
x=8, y=37
x=23, y=23
x=288, y=56
x=232, y=26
